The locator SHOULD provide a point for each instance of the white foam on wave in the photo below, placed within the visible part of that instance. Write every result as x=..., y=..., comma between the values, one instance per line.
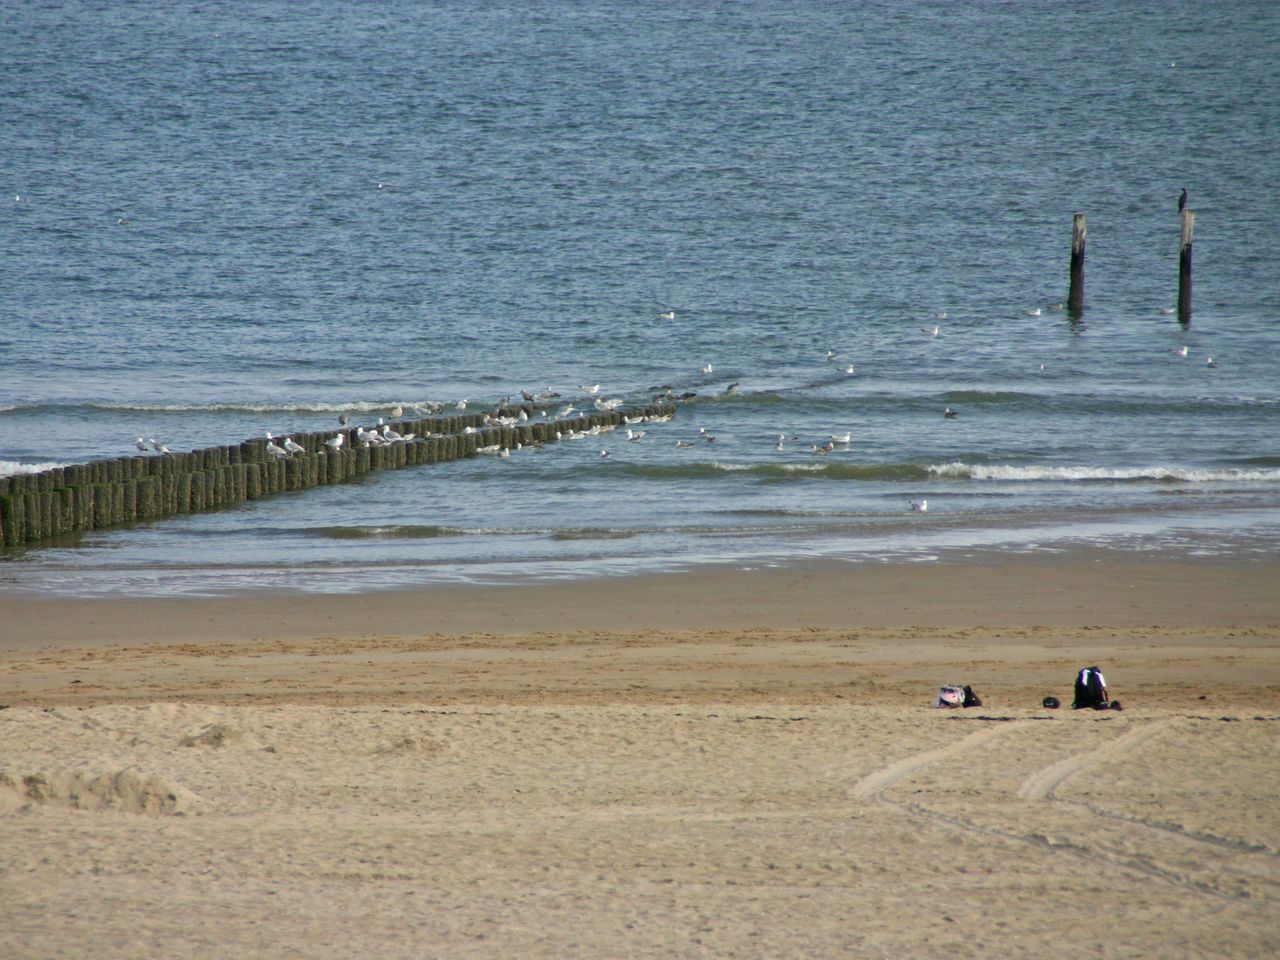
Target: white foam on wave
x=958, y=469
x=363, y=406
x=9, y=468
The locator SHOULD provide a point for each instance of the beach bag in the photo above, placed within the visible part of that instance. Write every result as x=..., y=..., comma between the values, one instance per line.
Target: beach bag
x=949, y=695
x=1091, y=690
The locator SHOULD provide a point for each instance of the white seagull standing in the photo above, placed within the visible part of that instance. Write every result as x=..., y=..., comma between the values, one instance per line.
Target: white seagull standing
x=335, y=442
x=141, y=444
x=293, y=447
x=275, y=450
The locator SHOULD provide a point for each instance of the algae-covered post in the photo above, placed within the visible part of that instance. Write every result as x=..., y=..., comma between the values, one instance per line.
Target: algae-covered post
x=1075, y=296
x=1184, y=266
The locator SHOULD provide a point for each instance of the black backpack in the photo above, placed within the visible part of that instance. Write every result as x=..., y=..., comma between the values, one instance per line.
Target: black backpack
x=1091, y=690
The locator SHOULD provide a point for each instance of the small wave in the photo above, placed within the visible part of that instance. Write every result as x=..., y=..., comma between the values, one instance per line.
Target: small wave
x=412, y=531
x=9, y=468
x=968, y=471
x=820, y=470
x=593, y=533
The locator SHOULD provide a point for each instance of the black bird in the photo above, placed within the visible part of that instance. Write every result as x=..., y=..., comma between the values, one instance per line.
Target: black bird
x=1182, y=200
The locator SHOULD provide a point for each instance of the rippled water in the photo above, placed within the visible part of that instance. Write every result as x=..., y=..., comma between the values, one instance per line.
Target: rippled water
x=219, y=222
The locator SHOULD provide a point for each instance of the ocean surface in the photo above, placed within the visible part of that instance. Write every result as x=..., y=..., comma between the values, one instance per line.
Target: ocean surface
x=218, y=220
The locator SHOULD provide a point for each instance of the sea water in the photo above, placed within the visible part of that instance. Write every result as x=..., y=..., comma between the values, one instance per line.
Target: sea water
x=222, y=220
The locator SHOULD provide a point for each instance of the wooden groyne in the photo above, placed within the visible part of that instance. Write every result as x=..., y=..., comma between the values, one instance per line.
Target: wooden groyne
x=35, y=507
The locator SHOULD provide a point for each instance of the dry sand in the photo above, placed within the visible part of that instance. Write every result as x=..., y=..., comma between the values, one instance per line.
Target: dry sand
x=717, y=764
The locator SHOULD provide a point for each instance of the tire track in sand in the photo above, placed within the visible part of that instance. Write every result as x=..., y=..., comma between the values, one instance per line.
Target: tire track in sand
x=1042, y=784
x=873, y=785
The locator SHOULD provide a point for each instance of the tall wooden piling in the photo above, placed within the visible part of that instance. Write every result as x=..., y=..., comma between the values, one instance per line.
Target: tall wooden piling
x=1188, y=224
x=1075, y=296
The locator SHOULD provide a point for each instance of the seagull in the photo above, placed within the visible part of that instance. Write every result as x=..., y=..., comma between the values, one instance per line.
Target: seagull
x=1182, y=200
x=462, y=404
x=930, y=331
x=592, y=388
x=1210, y=362
x=604, y=454
x=731, y=388
x=335, y=442
x=832, y=356
x=683, y=444
x=275, y=450
x=950, y=414
x=669, y=315
x=159, y=447
x=940, y=315
x=387, y=434
x=707, y=368
x=397, y=413
x=822, y=451
x=849, y=369
x=709, y=437
x=1034, y=312
x=1055, y=306
x=342, y=419
x=781, y=439
x=141, y=444
x=1182, y=351
x=293, y=447
x=919, y=506
x=845, y=438
x=634, y=435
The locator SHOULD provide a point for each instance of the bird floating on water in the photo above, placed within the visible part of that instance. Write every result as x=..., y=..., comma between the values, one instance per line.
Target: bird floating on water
x=930, y=331
x=1182, y=351
x=707, y=368
x=668, y=315
x=918, y=506
x=844, y=438
x=950, y=414
x=1034, y=312
x=1210, y=362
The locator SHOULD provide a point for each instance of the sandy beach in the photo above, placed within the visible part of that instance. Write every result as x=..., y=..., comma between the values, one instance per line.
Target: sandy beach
x=721, y=764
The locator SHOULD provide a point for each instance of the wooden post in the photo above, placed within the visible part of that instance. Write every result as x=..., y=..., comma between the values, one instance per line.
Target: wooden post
x=1184, y=267
x=1075, y=297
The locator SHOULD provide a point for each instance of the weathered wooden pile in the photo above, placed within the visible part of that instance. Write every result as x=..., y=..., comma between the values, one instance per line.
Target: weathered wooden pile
x=105, y=493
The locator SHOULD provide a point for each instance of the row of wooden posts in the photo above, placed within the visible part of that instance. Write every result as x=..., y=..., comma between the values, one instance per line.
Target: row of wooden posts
x=64, y=500
x=1075, y=294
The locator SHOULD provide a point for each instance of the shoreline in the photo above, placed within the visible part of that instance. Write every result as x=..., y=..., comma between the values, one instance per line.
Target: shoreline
x=1168, y=634
x=1084, y=589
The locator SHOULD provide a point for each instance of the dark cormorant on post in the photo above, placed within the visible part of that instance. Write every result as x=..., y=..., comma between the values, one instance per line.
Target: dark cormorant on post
x=1182, y=200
